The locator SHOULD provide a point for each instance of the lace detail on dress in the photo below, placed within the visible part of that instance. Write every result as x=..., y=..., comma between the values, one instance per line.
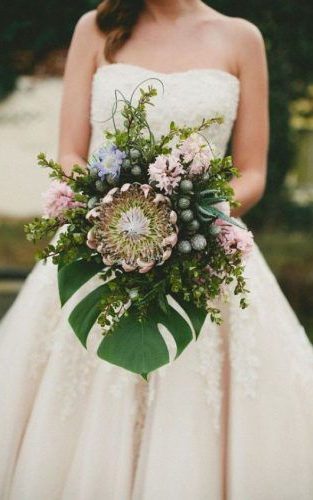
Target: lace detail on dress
x=210, y=365
x=242, y=348
x=188, y=97
x=296, y=344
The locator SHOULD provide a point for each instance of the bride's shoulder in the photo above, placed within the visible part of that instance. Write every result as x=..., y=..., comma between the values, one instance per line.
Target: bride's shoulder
x=243, y=29
x=234, y=28
x=237, y=29
x=86, y=26
x=238, y=37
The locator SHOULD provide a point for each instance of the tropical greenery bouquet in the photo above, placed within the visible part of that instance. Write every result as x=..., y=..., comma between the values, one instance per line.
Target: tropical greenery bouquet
x=150, y=218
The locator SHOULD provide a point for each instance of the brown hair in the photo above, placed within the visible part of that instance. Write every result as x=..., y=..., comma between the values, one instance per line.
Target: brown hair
x=117, y=18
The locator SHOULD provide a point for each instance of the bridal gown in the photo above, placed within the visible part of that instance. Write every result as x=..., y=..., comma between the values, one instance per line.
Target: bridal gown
x=231, y=419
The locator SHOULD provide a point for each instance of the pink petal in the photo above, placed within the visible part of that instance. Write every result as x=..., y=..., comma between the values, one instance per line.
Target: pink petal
x=145, y=188
x=173, y=217
x=127, y=267
x=92, y=214
x=106, y=259
x=146, y=268
x=170, y=240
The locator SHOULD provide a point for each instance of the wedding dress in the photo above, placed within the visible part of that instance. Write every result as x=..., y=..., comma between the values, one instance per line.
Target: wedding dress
x=231, y=419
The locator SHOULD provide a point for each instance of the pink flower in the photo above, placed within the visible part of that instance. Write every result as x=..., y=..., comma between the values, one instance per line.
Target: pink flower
x=233, y=238
x=58, y=198
x=197, y=152
x=166, y=171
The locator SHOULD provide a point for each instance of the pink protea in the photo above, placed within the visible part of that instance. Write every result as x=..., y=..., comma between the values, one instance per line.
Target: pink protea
x=166, y=172
x=58, y=198
x=198, y=153
x=130, y=229
x=233, y=238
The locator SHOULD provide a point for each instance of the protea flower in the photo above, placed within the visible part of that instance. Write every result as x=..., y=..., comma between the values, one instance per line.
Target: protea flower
x=133, y=227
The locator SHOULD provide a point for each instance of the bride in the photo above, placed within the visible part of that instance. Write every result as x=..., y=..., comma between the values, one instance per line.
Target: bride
x=232, y=418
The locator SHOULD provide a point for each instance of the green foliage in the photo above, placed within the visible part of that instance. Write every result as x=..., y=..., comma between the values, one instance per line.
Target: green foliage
x=30, y=29
x=135, y=303
x=287, y=28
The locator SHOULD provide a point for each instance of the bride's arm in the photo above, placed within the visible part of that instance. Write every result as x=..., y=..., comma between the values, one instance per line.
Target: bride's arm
x=250, y=137
x=75, y=109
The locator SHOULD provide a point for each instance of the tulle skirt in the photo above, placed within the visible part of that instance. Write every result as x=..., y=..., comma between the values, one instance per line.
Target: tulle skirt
x=232, y=418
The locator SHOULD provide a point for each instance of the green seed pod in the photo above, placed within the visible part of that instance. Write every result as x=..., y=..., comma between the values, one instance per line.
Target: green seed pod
x=92, y=202
x=186, y=186
x=136, y=171
x=198, y=242
x=186, y=215
x=100, y=186
x=126, y=164
x=111, y=180
x=183, y=203
x=134, y=154
x=214, y=230
x=193, y=225
x=93, y=172
x=133, y=293
x=206, y=176
x=184, y=246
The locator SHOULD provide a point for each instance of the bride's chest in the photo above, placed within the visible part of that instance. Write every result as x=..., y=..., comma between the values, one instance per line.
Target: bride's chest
x=185, y=97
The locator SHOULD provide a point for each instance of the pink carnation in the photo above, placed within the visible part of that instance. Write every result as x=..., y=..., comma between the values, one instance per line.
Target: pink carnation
x=58, y=198
x=233, y=238
x=197, y=152
x=166, y=171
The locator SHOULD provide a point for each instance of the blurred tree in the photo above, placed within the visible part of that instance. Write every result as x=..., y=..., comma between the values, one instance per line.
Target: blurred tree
x=28, y=31
x=287, y=28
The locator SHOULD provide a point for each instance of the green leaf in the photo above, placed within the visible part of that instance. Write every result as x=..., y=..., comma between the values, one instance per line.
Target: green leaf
x=197, y=316
x=85, y=314
x=178, y=327
x=138, y=346
x=135, y=346
x=72, y=276
x=210, y=200
x=212, y=211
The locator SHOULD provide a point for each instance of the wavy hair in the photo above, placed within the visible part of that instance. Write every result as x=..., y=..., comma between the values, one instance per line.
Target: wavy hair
x=117, y=18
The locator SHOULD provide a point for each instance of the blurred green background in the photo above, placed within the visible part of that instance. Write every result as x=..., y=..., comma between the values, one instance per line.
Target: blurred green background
x=34, y=42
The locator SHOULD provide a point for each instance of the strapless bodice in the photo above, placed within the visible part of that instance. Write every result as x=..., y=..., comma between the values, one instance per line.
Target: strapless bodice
x=188, y=97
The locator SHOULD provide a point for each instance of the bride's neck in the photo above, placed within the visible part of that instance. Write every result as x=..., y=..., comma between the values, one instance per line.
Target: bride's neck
x=170, y=9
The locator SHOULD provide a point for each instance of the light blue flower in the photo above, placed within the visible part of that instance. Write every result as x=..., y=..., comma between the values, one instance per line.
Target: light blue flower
x=107, y=161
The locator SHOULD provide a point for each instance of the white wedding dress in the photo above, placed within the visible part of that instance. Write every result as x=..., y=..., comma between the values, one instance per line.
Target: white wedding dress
x=231, y=419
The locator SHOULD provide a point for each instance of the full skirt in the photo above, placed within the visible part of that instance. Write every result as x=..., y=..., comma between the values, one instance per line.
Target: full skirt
x=231, y=419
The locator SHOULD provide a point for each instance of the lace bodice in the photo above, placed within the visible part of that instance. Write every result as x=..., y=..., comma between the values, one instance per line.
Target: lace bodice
x=188, y=97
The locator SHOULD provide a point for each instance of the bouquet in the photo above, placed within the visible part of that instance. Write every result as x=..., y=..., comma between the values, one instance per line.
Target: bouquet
x=151, y=218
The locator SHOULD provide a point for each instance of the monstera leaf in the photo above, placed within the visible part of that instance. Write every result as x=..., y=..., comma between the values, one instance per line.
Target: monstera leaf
x=136, y=345
x=85, y=314
x=197, y=316
x=72, y=276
